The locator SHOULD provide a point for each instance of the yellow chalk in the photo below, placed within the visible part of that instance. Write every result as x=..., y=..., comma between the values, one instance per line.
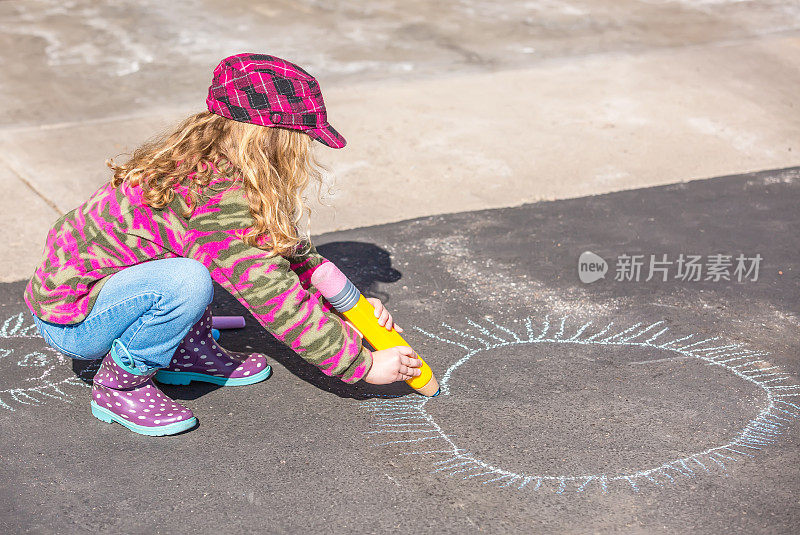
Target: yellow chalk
x=362, y=316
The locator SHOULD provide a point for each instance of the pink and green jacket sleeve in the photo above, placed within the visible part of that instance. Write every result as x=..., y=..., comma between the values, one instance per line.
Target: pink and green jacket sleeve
x=114, y=229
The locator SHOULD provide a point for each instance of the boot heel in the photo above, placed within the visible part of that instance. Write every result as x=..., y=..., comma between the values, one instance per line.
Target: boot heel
x=173, y=378
x=100, y=414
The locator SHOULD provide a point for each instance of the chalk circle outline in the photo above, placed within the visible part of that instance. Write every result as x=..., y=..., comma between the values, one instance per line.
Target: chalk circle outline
x=43, y=387
x=401, y=416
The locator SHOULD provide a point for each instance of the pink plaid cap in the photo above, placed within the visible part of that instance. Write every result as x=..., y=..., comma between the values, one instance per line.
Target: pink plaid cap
x=270, y=91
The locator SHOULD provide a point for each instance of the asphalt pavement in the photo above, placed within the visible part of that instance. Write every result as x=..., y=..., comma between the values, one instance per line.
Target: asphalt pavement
x=632, y=406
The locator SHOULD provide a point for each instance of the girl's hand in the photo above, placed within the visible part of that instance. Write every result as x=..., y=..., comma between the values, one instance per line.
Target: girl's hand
x=393, y=364
x=384, y=318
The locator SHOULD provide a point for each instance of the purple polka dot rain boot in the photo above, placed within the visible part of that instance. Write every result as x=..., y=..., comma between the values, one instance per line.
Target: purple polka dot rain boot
x=199, y=358
x=128, y=396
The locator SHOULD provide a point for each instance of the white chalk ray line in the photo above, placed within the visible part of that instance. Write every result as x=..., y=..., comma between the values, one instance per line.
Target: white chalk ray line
x=545, y=328
x=529, y=328
x=486, y=343
x=599, y=334
x=701, y=342
x=514, y=335
x=655, y=336
x=580, y=331
x=669, y=344
x=640, y=333
x=440, y=339
x=560, y=332
x=621, y=333
x=486, y=332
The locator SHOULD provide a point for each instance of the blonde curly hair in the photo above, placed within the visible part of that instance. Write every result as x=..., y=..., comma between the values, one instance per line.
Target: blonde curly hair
x=276, y=165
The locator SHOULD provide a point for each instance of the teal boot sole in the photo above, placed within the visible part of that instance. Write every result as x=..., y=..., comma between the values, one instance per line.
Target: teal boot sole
x=107, y=416
x=184, y=378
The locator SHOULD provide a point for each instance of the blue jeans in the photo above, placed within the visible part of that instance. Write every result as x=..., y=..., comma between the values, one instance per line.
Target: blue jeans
x=150, y=307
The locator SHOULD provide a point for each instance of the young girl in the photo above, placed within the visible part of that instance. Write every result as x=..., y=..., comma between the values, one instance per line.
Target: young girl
x=128, y=273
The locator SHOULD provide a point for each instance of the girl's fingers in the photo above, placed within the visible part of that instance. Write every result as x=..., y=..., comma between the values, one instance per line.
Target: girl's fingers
x=410, y=374
x=382, y=313
x=411, y=362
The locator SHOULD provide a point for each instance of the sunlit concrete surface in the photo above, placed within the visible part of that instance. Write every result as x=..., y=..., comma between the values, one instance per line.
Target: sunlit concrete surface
x=447, y=106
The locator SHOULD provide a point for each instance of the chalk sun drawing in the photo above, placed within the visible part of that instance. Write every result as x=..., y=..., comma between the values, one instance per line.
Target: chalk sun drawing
x=408, y=423
x=45, y=379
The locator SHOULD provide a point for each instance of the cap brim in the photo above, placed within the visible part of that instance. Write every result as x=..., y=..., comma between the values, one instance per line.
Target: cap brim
x=327, y=135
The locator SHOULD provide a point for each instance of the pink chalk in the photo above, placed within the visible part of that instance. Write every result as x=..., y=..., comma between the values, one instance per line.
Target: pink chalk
x=227, y=322
x=328, y=279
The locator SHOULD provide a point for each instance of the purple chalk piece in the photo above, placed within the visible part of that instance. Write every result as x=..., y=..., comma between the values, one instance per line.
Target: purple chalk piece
x=227, y=322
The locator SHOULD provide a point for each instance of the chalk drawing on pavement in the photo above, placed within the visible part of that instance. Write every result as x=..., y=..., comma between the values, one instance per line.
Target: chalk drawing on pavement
x=406, y=422
x=43, y=374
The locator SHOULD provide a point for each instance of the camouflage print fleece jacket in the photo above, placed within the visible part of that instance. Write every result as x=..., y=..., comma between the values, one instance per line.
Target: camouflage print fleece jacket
x=114, y=229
